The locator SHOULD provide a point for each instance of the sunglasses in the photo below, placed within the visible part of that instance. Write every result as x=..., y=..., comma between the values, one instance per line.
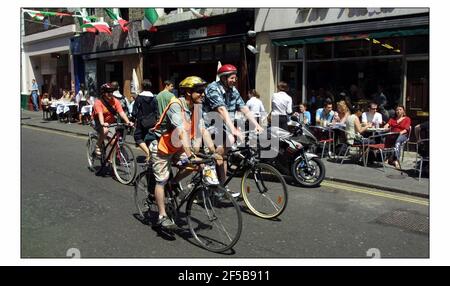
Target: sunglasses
x=200, y=90
x=373, y=108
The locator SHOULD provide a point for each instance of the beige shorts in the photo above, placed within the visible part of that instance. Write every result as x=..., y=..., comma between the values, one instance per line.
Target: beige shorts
x=162, y=163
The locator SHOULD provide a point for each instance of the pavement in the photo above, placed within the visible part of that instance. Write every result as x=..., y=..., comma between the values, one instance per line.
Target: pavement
x=405, y=181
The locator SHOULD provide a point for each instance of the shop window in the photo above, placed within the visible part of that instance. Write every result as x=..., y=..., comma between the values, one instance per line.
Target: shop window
x=218, y=52
x=232, y=51
x=291, y=53
x=183, y=56
x=194, y=54
x=417, y=45
x=207, y=53
x=320, y=51
x=386, y=46
x=348, y=49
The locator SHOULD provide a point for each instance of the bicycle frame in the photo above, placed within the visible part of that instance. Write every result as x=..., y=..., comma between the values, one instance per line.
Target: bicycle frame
x=114, y=143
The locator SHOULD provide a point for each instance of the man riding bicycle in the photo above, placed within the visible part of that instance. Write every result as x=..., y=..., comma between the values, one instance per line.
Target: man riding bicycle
x=223, y=97
x=183, y=124
x=105, y=109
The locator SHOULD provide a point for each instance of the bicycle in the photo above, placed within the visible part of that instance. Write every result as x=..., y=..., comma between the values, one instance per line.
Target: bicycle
x=123, y=160
x=263, y=187
x=214, y=217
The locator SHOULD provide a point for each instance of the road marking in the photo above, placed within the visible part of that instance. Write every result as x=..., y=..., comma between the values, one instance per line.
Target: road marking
x=376, y=193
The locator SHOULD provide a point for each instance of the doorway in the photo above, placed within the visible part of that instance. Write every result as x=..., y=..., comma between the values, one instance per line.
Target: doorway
x=417, y=91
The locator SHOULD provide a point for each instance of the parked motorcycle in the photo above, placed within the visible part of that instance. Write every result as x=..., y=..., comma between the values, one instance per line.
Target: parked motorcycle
x=293, y=157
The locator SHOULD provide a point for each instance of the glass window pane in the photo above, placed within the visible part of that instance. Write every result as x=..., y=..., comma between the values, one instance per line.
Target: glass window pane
x=183, y=56
x=417, y=45
x=207, y=52
x=194, y=54
x=218, y=52
x=291, y=53
x=232, y=51
x=319, y=51
x=386, y=46
x=346, y=49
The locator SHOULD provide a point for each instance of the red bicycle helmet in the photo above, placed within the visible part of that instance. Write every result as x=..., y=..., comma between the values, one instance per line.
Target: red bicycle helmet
x=226, y=70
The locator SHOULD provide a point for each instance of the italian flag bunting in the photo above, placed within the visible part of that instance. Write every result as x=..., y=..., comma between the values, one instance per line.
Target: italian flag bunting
x=36, y=16
x=85, y=20
x=101, y=27
x=117, y=19
x=150, y=17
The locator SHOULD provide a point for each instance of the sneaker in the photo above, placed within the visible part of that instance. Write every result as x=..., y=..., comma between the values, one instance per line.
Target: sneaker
x=232, y=193
x=166, y=222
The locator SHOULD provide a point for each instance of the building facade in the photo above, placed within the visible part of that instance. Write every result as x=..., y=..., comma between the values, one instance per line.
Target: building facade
x=329, y=52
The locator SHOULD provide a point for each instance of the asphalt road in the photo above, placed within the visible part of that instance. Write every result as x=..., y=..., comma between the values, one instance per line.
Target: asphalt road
x=64, y=206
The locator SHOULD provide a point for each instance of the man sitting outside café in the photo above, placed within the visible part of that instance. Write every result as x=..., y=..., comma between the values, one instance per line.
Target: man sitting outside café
x=372, y=116
x=326, y=114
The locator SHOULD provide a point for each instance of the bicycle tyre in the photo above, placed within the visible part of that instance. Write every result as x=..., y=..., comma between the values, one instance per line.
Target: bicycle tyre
x=143, y=195
x=214, y=218
x=264, y=191
x=124, y=164
x=94, y=162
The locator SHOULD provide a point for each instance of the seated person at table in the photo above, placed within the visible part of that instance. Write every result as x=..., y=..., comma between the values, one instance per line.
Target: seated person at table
x=342, y=112
x=401, y=123
x=372, y=116
x=325, y=114
x=82, y=100
x=304, y=116
x=353, y=127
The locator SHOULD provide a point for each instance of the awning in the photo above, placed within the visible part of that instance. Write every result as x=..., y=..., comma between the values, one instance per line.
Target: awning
x=334, y=38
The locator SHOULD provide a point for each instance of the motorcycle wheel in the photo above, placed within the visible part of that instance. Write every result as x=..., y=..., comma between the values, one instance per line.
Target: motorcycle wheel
x=308, y=178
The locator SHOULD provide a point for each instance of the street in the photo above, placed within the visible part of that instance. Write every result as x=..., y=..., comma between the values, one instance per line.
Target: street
x=65, y=206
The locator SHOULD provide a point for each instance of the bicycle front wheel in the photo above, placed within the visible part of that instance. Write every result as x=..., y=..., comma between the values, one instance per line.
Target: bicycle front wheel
x=124, y=164
x=94, y=161
x=264, y=191
x=214, y=218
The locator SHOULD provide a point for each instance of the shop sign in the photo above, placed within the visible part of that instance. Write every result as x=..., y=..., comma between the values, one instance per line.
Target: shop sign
x=201, y=32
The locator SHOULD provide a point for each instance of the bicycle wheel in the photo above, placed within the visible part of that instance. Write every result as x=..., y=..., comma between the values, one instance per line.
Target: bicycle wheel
x=94, y=161
x=214, y=218
x=124, y=164
x=143, y=195
x=264, y=191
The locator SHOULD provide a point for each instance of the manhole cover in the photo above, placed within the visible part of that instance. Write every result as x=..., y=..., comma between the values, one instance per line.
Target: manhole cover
x=406, y=220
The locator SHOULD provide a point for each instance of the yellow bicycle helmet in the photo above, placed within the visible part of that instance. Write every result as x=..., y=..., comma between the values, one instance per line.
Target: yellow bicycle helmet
x=192, y=82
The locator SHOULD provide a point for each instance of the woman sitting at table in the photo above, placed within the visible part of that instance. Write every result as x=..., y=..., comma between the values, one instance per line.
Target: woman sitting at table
x=402, y=124
x=342, y=113
x=354, y=128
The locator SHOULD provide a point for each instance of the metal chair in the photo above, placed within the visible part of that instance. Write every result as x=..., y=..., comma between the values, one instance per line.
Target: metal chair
x=387, y=145
x=406, y=143
x=359, y=145
x=325, y=136
x=420, y=157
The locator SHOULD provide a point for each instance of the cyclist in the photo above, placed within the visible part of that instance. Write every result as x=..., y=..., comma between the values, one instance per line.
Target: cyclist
x=104, y=112
x=223, y=97
x=183, y=125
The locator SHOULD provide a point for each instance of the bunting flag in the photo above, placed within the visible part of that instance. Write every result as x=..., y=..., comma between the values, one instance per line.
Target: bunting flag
x=117, y=19
x=84, y=19
x=36, y=16
x=101, y=27
x=150, y=18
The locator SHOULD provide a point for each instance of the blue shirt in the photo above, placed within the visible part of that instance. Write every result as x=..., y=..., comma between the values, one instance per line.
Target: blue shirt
x=321, y=115
x=216, y=96
x=34, y=88
x=306, y=115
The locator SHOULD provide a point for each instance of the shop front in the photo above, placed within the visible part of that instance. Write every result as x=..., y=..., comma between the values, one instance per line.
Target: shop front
x=359, y=67
x=195, y=48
